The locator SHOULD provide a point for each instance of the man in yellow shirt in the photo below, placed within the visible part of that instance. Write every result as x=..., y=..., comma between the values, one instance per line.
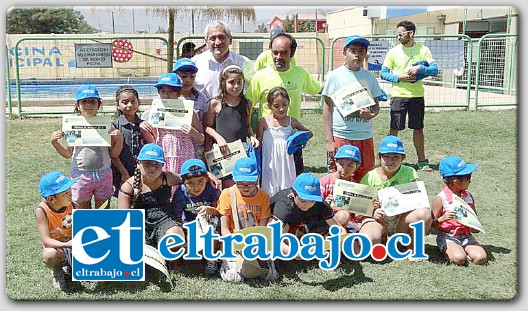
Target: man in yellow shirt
x=293, y=78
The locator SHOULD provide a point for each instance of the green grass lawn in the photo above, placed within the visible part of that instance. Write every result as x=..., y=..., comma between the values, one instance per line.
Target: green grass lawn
x=488, y=138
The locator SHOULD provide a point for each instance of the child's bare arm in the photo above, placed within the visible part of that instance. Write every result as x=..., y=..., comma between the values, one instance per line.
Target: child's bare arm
x=43, y=231
x=116, y=143
x=148, y=135
x=328, y=124
x=121, y=168
x=298, y=125
x=61, y=149
x=209, y=119
x=124, y=198
x=262, y=126
x=195, y=130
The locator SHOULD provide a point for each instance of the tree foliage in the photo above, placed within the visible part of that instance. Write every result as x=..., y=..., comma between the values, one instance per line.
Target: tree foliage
x=239, y=14
x=262, y=28
x=43, y=20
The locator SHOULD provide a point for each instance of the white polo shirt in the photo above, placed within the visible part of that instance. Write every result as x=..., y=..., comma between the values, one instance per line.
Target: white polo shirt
x=208, y=75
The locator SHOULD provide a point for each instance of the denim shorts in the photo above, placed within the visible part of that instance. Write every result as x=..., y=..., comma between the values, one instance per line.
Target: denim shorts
x=444, y=237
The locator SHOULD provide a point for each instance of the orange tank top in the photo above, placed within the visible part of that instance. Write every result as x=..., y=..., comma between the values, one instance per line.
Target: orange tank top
x=59, y=224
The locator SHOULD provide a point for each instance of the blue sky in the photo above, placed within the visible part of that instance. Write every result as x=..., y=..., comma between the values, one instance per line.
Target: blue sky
x=101, y=17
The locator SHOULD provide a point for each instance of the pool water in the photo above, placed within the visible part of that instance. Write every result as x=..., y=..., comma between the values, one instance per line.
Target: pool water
x=67, y=89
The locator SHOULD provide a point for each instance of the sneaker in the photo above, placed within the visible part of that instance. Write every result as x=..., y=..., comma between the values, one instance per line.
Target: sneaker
x=273, y=274
x=59, y=279
x=230, y=273
x=210, y=267
x=424, y=166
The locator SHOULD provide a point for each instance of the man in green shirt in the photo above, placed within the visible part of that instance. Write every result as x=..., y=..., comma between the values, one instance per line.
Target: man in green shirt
x=405, y=65
x=293, y=78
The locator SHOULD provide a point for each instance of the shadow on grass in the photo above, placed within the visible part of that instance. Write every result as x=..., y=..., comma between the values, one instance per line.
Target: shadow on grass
x=152, y=276
x=352, y=269
x=490, y=249
x=434, y=166
x=316, y=170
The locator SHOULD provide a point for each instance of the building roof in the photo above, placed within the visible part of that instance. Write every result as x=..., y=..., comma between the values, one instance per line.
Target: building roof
x=300, y=16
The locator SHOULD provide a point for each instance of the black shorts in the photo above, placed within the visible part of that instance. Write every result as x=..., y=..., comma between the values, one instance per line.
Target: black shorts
x=401, y=106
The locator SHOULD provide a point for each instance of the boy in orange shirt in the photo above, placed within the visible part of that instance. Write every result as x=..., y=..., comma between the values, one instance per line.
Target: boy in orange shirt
x=54, y=224
x=252, y=207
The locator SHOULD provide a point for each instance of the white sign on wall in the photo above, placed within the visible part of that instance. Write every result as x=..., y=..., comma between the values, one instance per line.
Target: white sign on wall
x=378, y=50
x=93, y=55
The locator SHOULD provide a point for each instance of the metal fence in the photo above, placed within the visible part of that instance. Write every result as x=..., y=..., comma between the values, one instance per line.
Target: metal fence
x=490, y=62
x=42, y=76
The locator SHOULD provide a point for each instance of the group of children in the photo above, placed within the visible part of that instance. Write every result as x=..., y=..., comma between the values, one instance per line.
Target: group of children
x=162, y=171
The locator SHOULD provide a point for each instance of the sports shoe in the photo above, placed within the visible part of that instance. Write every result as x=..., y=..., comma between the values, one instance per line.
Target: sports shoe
x=210, y=267
x=424, y=166
x=273, y=274
x=230, y=273
x=59, y=278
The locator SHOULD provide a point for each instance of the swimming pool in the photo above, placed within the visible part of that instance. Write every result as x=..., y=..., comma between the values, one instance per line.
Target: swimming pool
x=66, y=89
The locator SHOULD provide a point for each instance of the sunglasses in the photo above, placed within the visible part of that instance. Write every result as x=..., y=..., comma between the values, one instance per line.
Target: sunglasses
x=399, y=35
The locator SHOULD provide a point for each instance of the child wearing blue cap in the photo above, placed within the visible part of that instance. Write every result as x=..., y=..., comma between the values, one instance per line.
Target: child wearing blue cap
x=251, y=205
x=302, y=207
x=454, y=239
x=54, y=224
x=178, y=145
x=278, y=166
x=389, y=173
x=186, y=70
x=196, y=196
x=91, y=164
x=150, y=189
x=347, y=159
x=357, y=128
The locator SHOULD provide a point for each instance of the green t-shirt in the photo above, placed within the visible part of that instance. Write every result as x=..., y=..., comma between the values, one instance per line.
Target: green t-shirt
x=404, y=175
x=399, y=59
x=265, y=59
x=294, y=80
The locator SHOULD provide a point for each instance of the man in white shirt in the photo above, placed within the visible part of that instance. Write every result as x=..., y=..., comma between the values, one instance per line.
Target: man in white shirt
x=218, y=56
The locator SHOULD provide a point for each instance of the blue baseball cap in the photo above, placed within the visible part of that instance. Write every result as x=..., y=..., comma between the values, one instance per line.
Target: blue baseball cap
x=275, y=32
x=455, y=166
x=151, y=152
x=169, y=79
x=185, y=64
x=349, y=152
x=87, y=91
x=308, y=187
x=297, y=141
x=391, y=144
x=54, y=182
x=245, y=170
x=193, y=167
x=355, y=39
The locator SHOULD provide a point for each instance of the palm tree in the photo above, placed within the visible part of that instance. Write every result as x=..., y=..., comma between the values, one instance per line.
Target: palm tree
x=239, y=14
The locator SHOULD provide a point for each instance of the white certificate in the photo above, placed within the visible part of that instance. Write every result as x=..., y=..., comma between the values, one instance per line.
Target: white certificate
x=351, y=98
x=87, y=131
x=222, y=165
x=353, y=197
x=403, y=198
x=171, y=113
